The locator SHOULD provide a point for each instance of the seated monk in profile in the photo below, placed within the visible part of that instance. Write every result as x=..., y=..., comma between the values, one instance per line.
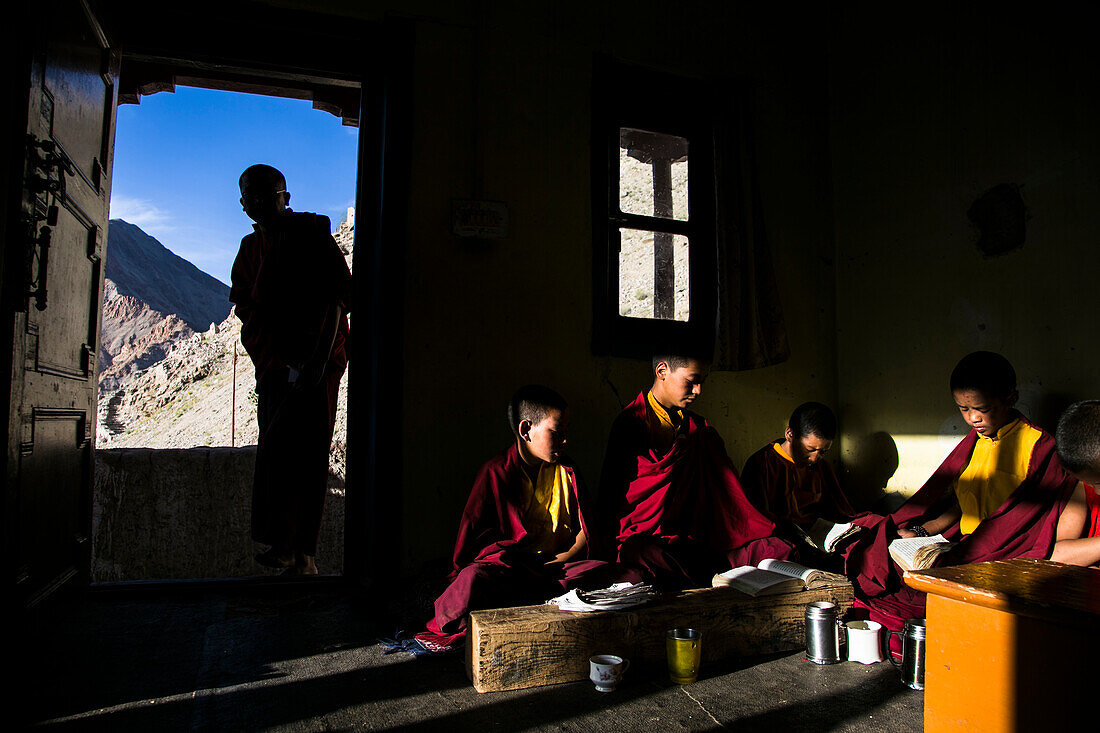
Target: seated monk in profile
x=791, y=481
x=526, y=534
x=997, y=495
x=680, y=513
x=1078, y=446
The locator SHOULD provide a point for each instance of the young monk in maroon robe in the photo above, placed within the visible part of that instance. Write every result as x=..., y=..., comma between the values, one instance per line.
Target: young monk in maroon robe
x=526, y=534
x=1078, y=441
x=998, y=495
x=790, y=478
x=791, y=481
x=681, y=514
x=292, y=289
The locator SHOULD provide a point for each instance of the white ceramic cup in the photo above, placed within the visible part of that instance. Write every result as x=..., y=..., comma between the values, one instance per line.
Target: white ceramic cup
x=864, y=642
x=606, y=670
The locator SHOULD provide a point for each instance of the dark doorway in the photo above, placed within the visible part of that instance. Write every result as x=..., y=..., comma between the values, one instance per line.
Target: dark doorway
x=177, y=418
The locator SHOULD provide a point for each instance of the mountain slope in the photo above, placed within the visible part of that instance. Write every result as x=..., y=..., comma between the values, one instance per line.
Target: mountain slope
x=143, y=268
x=174, y=387
x=134, y=337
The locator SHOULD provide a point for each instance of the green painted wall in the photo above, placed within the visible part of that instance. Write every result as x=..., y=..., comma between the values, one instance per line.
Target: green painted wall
x=503, y=113
x=923, y=121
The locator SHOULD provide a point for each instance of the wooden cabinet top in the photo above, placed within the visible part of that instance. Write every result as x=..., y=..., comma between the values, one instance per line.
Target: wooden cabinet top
x=1036, y=588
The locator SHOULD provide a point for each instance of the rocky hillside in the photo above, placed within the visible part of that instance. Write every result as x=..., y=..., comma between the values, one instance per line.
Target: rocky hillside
x=134, y=337
x=152, y=299
x=180, y=392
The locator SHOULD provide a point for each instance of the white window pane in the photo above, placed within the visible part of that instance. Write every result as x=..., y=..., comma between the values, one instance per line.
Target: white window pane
x=653, y=174
x=651, y=285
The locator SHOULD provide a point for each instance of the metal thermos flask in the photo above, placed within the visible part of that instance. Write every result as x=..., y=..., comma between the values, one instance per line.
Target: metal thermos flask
x=912, y=653
x=822, y=633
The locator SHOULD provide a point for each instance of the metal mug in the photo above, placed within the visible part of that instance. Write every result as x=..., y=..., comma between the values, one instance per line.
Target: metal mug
x=684, y=648
x=912, y=652
x=823, y=632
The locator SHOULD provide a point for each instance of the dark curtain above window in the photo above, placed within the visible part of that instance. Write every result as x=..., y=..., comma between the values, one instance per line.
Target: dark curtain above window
x=750, y=332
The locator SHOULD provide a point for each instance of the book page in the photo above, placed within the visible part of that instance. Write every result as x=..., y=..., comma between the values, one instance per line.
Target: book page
x=825, y=535
x=837, y=533
x=788, y=568
x=904, y=549
x=751, y=580
x=818, y=533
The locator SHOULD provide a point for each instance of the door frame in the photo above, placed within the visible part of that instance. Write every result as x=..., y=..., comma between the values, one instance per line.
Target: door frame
x=377, y=54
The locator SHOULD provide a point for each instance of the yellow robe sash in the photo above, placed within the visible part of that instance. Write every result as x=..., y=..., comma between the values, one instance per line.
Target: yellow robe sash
x=997, y=467
x=551, y=517
x=666, y=428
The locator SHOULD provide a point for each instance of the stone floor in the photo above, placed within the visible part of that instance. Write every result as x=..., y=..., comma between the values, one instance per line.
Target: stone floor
x=305, y=657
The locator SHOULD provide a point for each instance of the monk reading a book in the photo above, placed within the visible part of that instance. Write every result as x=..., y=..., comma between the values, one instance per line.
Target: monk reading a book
x=790, y=479
x=996, y=496
x=1078, y=440
x=525, y=535
x=680, y=512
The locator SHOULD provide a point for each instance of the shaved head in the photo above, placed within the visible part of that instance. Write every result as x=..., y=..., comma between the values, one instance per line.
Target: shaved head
x=533, y=403
x=1078, y=437
x=263, y=193
x=262, y=176
x=985, y=372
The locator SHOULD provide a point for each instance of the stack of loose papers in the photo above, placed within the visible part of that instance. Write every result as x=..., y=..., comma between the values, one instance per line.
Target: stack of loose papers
x=620, y=595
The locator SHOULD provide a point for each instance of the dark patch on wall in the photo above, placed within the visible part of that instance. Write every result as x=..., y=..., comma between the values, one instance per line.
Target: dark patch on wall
x=1001, y=218
x=877, y=462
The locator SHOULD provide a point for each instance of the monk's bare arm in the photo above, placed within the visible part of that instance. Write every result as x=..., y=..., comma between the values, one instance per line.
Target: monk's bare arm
x=939, y=524
x=1070, y=547
x=574, y=552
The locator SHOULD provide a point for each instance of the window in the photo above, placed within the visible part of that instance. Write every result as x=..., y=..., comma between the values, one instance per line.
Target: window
x=653, y=233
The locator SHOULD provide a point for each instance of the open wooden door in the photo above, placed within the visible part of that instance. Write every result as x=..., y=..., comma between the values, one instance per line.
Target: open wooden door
x=58, y=245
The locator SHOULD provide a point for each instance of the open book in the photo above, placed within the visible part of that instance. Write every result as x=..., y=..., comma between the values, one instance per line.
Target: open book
x=775, y=576
x=827, y=536
x=918, y=553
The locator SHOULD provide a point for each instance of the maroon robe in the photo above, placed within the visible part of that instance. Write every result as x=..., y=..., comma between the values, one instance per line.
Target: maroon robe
x=797, y=494
x=1023, y=526
x=286, y=279
x=491, y=567
x=680, y=516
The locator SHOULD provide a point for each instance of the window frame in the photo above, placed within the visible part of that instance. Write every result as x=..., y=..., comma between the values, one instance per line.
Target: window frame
x=630, y=97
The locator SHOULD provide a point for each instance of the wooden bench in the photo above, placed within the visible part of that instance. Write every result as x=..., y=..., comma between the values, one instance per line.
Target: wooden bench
x=530, y=646
x=1011, y=645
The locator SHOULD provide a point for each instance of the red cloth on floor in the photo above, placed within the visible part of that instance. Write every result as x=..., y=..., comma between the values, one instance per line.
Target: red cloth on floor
x=688, y=502
x=1023, y=526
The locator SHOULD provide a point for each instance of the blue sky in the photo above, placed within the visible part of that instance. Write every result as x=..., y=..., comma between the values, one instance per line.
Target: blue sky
x=178, y=157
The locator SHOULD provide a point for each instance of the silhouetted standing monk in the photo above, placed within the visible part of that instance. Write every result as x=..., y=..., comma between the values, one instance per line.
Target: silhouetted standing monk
x=292, y=289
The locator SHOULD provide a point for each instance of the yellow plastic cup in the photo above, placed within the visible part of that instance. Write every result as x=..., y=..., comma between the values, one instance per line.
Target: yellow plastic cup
x=684, y=648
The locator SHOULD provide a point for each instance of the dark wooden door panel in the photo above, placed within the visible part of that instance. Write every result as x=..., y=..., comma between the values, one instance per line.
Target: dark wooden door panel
x=70, y=124
x=65, y=331
x=56, y=448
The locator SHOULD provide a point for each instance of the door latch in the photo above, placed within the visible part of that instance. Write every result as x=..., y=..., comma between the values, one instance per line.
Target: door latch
x=48, y=167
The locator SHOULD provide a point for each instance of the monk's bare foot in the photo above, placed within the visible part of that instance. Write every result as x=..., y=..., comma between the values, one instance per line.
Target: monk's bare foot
x=303, y=565
x=295, y=570
x=275, y=559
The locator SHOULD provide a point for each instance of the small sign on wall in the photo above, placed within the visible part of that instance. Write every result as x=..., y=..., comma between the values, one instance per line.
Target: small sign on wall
x=479, y=219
